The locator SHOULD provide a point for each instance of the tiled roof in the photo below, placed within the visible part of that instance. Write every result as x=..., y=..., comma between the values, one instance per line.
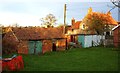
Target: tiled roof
x=35, y=33
x=76, y=25
x=80, y=31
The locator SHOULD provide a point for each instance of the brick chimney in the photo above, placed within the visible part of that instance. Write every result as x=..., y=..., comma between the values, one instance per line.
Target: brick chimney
x=73, y=21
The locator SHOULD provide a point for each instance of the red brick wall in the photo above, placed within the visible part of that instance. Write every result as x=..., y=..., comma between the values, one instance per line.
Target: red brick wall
x=73, y=39
x=68, y=38
x=23, y=47
x=117, y=37
x=61, y=44
x=46, y=46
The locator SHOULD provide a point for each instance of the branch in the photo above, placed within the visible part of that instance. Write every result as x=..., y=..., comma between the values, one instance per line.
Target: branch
x=114, y=2
x=112, y=8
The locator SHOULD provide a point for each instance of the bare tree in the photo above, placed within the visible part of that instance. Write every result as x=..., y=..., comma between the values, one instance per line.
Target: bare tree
x=49, y=20
x=116, y=3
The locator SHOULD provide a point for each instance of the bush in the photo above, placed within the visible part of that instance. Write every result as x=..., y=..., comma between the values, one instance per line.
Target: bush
x=8, y=48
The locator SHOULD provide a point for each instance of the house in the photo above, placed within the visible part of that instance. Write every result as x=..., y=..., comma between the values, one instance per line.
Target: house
x=35, y=40
x=77, y=33
x=85, y=38
x=116, y=36
x=75, y=24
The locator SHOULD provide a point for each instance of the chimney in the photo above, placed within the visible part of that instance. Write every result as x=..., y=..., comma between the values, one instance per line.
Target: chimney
x=73, y=21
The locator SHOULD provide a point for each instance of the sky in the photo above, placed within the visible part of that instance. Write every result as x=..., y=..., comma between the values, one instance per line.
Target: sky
x=29, y=12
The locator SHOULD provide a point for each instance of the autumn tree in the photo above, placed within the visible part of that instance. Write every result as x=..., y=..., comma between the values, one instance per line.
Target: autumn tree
x=97, y=21
x=49, y=21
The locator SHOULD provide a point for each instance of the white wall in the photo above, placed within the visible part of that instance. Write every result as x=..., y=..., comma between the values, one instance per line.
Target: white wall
x=88, y=41
x=98, y=39
x=90, y=38
x=94, y=38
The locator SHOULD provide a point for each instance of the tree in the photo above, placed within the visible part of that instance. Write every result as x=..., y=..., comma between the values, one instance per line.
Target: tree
x=116, y=3
x=49, y=21
x=97, y=21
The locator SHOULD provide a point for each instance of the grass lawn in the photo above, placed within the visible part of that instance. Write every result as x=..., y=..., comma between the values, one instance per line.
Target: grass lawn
x=85, y=59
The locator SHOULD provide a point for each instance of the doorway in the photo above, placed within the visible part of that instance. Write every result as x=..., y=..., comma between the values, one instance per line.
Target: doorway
x=54, y=47
x=35, y=47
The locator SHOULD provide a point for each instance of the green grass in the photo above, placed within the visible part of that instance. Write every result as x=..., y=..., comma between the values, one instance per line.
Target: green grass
x=87, y=59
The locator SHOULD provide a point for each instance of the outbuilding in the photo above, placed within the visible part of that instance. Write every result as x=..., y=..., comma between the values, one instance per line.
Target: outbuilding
x=36, y=40
x=86, y=39
x=116, y=36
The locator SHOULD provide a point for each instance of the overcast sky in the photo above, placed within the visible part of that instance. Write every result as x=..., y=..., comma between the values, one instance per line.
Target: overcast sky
x=29, y=12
